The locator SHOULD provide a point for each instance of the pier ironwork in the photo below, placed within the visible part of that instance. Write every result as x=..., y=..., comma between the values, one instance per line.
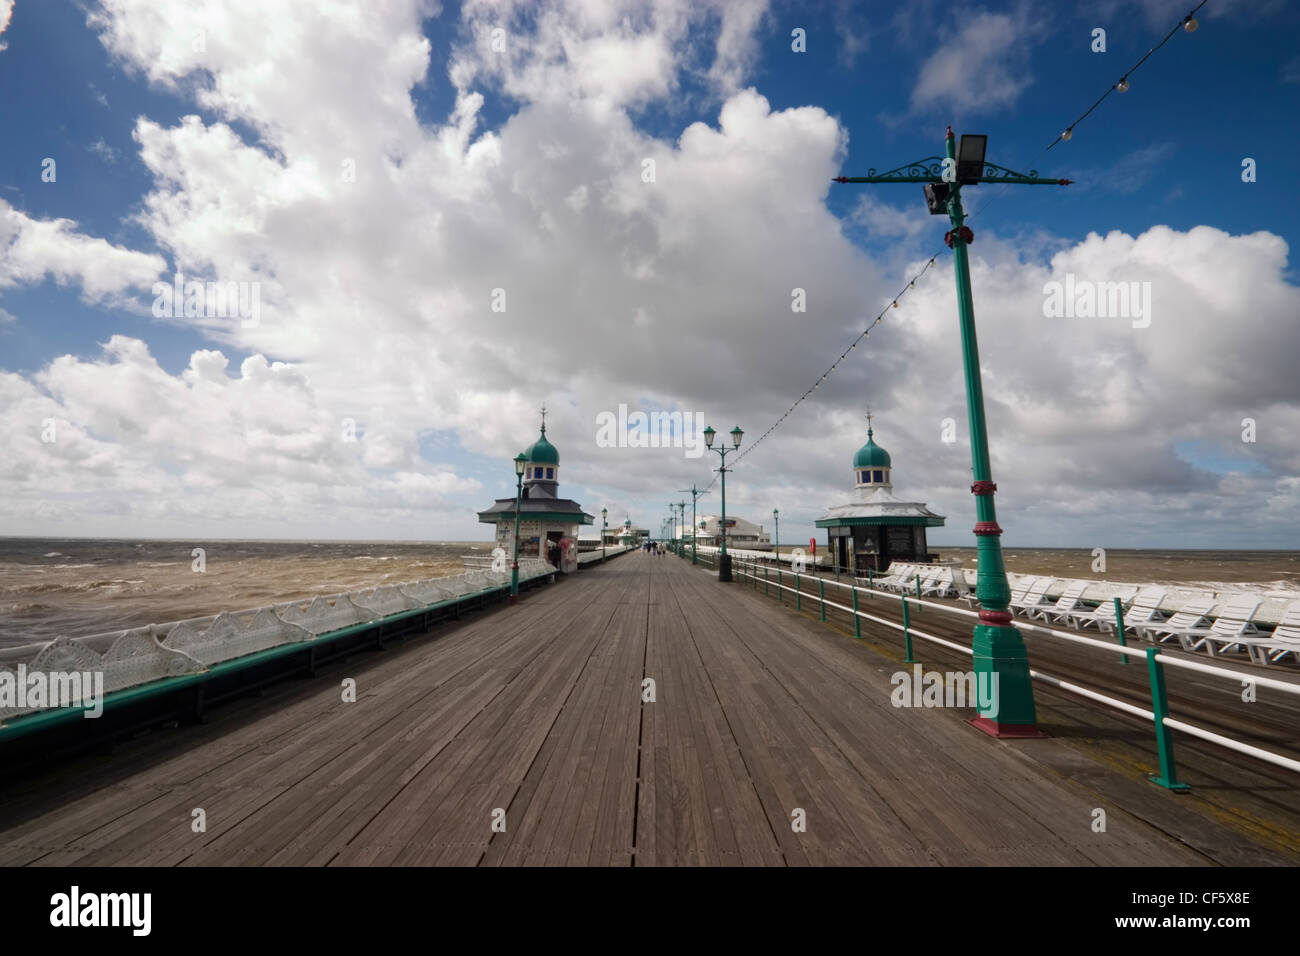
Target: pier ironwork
x=696, y=494
x=999, y=647
x=520, y=462
x=724, y=561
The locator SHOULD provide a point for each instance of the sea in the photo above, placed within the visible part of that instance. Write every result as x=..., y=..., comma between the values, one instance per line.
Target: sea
x=81, y=586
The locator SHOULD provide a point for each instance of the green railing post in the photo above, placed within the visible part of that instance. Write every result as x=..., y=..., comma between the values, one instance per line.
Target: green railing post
x=907, y=634
x=765, y=581
x=798, y=597
x=857, y=621
x=918, y=594
x=821, y=596
x=780, y=593
x=1164, y=738
x=1119, y=629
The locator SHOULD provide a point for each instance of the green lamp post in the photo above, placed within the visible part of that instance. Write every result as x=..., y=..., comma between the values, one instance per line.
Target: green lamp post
x=603, y=514
x=776, y=548
x=724, y=562
x=681, y=523
x=520, y=462
x=999, y=650
x=695, y=496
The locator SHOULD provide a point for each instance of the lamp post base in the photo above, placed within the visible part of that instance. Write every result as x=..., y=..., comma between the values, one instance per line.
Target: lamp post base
x=1002, y=664
x=724, y=567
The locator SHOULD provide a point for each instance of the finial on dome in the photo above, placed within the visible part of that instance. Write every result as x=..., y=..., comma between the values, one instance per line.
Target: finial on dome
x=543, y=418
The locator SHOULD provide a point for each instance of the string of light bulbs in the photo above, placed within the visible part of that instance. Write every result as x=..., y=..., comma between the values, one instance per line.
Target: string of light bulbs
x=1187, y=23
x=911, y=284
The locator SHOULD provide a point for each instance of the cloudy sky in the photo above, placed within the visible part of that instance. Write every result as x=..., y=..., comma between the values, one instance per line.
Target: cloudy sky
x=443, y=216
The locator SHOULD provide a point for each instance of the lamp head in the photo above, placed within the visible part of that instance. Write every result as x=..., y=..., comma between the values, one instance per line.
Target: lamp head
x=736, y=436
x=970, y=158
x=708, y=436
x=520, y=462
x=936, y=198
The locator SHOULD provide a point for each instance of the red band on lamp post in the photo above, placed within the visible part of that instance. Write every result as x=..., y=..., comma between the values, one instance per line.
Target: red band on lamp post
x=964, y=234
x=983, y=488
x=995, y=618
x=987, y=527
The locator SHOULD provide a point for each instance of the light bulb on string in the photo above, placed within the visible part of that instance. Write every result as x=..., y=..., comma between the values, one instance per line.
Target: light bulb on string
x=1067, y=134
x=1190, y=24
x=1122, y=85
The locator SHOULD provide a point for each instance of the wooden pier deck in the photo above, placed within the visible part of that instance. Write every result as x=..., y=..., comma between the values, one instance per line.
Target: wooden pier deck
x=537, y=710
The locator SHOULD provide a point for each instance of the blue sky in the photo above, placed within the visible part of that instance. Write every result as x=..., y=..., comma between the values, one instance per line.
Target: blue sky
x=877, y=85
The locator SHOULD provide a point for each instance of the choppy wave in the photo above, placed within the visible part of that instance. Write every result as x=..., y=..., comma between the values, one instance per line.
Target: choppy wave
x=105, y=585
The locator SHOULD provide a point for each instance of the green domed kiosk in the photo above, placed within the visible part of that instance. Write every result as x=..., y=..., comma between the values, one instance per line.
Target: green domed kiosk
x=877, y=528
x=544, y=517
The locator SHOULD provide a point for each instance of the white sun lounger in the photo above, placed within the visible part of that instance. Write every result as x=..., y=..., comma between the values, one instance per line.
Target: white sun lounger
x=1192, y=616
x=945, y=584
x=1033, y=596
x=908, y=584
x=1103, y=614
x=1284, y=639
x=1067, y=602
x=972, y=599
x=1232, y=624
x=1145, y=610
x=896, y=576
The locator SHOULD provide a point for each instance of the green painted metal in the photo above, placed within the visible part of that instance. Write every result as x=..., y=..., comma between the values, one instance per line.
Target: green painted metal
x=514, y=569
x=931, y=170
x=998, y=647
x=857, y=621
x=1168, y=777
x=780, y=591
x=1119, y=628
x=907, y=633
x=871, y=455
x=821, y=595
x=765, y=580
x=918, y=594
x=798, y=597
x=542, y=452
x=722, y=451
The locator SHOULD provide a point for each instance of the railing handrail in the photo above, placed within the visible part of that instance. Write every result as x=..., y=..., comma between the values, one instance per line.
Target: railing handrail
x=1091, y=642
x=1259, y=753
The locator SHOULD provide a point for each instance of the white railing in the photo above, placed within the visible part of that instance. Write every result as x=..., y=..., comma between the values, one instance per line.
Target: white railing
x=594, y=557
x=767, y=557
x=1153, y=655
x=142, y=655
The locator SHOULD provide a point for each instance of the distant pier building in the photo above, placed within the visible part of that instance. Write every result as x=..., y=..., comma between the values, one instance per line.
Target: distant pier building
x=876, y=528
x=545, y=519
x=625, y=534
x=741, y=533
